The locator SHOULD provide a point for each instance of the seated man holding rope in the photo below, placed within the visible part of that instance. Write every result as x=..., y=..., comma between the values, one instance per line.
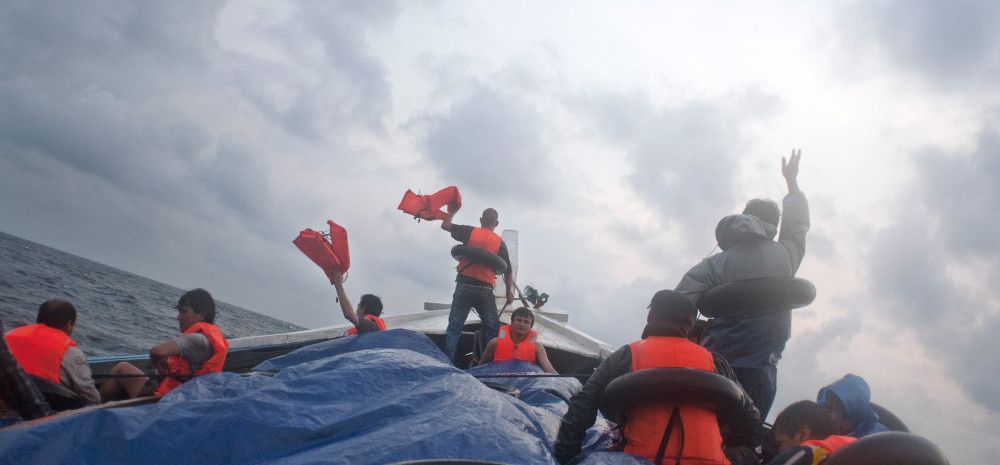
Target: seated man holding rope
x=517, y=341
x=647, y=430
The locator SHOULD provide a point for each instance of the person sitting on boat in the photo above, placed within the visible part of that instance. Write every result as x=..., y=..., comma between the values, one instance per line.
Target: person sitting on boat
x=474, y=283
x=200, y=349
x=517, y=341
x=753, y=345
x=804, y=435
x=45, y=350
x=664, y=344
x=368, y=317
x=848, y=400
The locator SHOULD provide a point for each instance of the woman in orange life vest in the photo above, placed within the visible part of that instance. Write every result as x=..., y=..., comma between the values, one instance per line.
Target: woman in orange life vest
x=518, y=341
x=664, y=344
x=200, y=349
x=367, y=318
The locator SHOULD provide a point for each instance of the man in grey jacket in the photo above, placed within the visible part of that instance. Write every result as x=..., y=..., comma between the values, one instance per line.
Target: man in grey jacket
x=753, y=345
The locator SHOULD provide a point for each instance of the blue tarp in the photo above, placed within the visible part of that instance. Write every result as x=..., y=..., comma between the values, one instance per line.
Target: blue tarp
x=373, y=399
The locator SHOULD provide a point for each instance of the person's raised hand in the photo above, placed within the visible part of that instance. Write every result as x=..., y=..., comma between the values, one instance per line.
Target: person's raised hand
x=335, y=277
x=790, y=169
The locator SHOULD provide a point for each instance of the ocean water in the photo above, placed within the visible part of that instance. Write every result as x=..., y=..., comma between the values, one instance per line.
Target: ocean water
x=117, y=312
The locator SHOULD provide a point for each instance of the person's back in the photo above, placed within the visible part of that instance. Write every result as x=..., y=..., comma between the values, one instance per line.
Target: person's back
x=753, y=344
x=46, y=351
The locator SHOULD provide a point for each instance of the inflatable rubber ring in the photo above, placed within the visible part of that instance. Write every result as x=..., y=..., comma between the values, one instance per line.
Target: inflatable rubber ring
x=888, y=419
x=491, y=260
x=756, y=297
x=672, y=386
x=892, y=448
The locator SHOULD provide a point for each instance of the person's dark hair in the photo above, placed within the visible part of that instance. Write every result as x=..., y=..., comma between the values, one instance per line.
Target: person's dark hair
x=201, y=302
x=670, y=314
x=490, y=217
x=372, y=304
x=765, y=209
x=56, y=313
x=808, y=413
x=524, y=312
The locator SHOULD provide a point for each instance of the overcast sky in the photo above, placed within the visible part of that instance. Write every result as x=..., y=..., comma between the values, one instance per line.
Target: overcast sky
x=189, y=142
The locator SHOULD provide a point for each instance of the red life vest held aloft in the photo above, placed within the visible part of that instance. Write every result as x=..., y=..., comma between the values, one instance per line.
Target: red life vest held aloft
x=39, y=349
x=378, y=321
x=481, y=238
x=822, y=448
x=702, y=444
x=328, y=254
x=507, y=349
x=428, y=207
x=180, y=369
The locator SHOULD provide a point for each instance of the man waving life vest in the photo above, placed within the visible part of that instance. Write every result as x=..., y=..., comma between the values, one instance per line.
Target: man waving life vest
x=474, y=283
x=664, y=344
x=368, y=317
x=517, y=341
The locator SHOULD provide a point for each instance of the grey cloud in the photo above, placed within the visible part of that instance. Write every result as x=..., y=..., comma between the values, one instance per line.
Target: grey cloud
x=952, y=223
x=683, y=157
x=949, y=43
x=492, y=142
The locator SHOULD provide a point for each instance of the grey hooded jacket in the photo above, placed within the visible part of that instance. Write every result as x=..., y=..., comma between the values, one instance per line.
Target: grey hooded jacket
x=748, y=252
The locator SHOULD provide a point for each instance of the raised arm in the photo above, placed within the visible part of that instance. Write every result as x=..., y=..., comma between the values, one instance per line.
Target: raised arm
x=446, y=223
x=795, y=212
x=790, y=170
x=337, y=280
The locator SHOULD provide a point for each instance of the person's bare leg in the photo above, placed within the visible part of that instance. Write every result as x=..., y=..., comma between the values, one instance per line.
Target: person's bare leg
x=132, y=385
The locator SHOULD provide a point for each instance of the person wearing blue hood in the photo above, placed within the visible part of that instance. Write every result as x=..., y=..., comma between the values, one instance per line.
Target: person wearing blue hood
x=753, y=344
x=848, y=400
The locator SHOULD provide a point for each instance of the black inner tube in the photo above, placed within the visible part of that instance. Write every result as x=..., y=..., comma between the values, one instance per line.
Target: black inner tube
x=672, y=386
x=892, y=448
x=756, y=297
x=477, y=255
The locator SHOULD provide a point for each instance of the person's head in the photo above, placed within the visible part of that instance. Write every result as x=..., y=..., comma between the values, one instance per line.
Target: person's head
x=370, y=304
x=670, y=314
x=765, y=209
x=195, y=306
x=847, y=400
x=58, y=314
x=800, y=422
x=521, y=321
x=490, y=218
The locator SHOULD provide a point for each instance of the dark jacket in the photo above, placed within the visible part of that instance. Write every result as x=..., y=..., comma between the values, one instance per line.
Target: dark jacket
x=749, y=252
x=583, y=406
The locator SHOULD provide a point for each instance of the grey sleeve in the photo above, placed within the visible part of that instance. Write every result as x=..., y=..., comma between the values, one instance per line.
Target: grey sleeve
x=794, y=226
x=75, y=374
x=195, y=348
x=698, y=279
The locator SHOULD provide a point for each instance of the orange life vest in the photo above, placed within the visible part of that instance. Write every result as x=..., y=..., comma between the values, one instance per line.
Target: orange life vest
x=822, y=448
x=508, y=350
x=180, y=369
x=481, y=238
x=39, y=349
x=428, y=207
x=328, y=254
x=378, y=321
x=645, y=425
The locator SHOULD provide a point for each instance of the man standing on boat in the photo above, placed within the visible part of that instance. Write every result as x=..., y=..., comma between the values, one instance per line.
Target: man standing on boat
x=474, y=283
x=517, y=341
x=753, y=344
